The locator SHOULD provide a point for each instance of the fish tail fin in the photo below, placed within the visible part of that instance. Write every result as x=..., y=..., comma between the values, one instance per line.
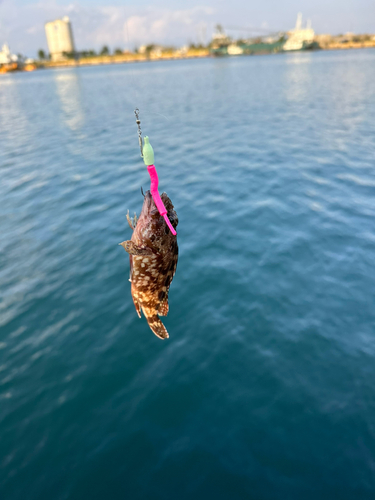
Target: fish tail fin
x=157, y=327
x=155, y=324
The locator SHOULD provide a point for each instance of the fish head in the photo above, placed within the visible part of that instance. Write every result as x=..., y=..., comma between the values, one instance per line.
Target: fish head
x=151, y=229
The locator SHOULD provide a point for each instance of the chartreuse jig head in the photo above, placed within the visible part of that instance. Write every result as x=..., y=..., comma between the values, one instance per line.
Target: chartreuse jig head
x=148, y=158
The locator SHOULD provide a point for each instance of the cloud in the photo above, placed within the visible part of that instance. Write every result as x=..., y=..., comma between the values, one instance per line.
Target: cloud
x=118, y=26
x=167, y=26
x=95, y=26
x=33, y=30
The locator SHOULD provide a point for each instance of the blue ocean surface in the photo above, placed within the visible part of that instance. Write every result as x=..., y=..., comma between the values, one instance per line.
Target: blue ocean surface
x=266, y=387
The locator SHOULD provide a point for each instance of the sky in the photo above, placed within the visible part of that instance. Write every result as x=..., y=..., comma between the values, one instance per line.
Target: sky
x=131, y=23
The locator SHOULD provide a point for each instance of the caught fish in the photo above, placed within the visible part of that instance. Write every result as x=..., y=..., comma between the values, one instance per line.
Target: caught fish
x=153, y=254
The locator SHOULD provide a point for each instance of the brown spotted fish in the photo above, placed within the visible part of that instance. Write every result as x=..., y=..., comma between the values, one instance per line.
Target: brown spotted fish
x=153, y=254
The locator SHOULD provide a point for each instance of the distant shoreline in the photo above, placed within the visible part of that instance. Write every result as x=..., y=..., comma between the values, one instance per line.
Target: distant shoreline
x=197, y=54
x=126, y=58
x=168, y=56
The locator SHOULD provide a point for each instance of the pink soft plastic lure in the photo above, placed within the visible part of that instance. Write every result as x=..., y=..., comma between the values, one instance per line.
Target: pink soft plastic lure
x=148, y=158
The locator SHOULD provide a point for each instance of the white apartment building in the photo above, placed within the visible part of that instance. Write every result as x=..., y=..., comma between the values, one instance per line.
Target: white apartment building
x=59, y=38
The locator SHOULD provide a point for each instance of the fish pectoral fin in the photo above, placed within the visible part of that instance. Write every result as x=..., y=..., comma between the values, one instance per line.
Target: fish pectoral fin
x=134, y=249
x=164, y=307
x=132, y=221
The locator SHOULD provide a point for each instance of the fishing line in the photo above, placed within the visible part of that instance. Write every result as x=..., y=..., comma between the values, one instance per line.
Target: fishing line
x=147, y=153
x=134, y=85
x=137, y=96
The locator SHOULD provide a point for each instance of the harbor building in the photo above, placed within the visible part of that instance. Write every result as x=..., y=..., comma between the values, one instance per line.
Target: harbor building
x=59, y=38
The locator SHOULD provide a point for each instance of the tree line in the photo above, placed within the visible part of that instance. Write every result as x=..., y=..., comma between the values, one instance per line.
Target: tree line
x=105, y=51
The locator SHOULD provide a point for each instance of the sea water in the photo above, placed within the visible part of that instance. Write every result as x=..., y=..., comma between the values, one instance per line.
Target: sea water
x=266, y=387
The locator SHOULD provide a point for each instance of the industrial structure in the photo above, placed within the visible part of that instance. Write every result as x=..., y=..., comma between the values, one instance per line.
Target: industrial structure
x=8, y=61
x=59, y=38
x=300, y=38
x=6, y=57
x=296, y=39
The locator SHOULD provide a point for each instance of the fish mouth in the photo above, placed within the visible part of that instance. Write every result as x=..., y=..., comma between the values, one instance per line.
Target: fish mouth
x=148, y=203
